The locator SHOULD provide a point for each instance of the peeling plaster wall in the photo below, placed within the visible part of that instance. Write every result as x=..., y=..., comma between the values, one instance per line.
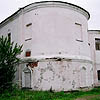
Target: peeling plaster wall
x=58, y=31
x=62, y=75
x=52, y=30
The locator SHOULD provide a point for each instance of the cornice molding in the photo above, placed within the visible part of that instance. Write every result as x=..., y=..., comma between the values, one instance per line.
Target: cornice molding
x=60, y=4
x=44, y=4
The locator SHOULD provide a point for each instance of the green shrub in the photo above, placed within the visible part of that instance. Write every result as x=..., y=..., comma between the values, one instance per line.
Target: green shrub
x=8, y=61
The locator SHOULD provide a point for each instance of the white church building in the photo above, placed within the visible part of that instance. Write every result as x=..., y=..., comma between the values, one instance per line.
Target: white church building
x=59, y=52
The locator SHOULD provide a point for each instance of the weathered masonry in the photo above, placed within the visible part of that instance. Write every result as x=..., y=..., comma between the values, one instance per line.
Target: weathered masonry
x=59, y=53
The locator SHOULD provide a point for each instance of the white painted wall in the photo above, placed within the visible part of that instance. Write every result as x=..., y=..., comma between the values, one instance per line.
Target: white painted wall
x=11, y=27
x=54, y=32
x=95, y=54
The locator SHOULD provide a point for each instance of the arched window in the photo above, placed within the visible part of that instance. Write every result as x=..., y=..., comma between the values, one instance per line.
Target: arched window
x=83, y=76
x=26, y=77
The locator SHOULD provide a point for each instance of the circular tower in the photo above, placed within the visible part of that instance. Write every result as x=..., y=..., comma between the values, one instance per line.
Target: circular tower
x=56, y=45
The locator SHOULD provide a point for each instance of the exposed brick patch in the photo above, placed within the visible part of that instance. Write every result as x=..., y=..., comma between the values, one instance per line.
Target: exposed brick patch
x=33, y=64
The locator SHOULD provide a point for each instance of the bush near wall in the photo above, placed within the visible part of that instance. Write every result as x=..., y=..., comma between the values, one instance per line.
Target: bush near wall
x=8, y=60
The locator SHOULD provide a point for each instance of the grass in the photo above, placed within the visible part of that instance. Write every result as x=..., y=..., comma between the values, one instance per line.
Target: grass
x=17, y=94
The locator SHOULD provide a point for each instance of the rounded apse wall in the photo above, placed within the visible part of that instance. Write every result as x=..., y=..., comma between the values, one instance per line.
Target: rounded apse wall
x=56, y=34
x=55, y=28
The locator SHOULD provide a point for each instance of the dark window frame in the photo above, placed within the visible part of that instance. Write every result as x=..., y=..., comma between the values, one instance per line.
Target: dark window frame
x=98, y=73
x=9, y=37
x=97, y=43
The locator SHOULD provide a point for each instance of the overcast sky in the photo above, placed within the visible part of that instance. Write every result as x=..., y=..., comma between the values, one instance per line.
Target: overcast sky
x=8, y=7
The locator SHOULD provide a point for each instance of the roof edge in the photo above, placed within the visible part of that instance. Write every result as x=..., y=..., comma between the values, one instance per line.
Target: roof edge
x=10, y=17
x=87, y=15
x=62, y=2
x=94, y=30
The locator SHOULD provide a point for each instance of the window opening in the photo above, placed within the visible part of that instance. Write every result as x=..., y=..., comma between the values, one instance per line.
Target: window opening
x=98, y=72
x=28, y=53
x=97, y=43
x=9, y=37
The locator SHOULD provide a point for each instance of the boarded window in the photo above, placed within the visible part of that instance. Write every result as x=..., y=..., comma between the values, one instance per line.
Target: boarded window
x=83, y=77
x=98, y=72
x=97, y=43
x=27, y=79
x=28, y=53
x=78, y=31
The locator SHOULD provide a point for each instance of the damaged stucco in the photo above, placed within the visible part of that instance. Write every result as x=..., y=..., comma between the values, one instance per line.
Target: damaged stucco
x=61, y=75
x=61, y=50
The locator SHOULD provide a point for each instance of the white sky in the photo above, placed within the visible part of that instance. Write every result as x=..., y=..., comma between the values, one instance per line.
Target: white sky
x=8, y=7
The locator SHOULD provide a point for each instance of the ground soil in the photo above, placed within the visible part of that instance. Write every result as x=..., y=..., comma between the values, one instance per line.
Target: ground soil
x=88, y=97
